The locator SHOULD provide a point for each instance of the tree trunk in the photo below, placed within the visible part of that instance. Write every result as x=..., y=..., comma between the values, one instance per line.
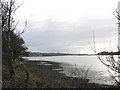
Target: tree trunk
x=11, y=68
x=119, y=43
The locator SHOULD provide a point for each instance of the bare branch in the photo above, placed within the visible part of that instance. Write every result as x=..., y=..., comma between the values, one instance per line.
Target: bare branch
x=24, y=29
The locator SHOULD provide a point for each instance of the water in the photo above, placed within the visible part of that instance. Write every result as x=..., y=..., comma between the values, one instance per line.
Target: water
x=97, y=71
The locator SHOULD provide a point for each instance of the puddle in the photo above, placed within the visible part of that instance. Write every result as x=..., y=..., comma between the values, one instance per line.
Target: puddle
x=44, y=63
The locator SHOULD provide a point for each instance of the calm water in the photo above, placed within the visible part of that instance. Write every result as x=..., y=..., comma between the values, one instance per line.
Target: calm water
x=97, y=71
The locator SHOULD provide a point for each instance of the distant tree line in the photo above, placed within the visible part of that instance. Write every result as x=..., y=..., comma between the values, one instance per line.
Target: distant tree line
x=109, y=53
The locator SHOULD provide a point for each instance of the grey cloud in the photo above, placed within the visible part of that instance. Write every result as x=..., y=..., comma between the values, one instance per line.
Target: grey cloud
x=54, y=36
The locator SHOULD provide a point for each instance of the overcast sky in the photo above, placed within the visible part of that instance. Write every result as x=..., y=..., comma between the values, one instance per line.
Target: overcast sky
x=68, y=25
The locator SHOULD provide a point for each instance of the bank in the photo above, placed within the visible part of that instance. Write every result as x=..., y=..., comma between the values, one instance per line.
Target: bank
x=45, y=74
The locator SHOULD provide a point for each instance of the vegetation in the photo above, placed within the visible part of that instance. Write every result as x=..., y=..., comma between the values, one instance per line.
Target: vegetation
x=110, y=62
x=36, y=54
x=12, y=43
x=22, y=74
x=109, y=53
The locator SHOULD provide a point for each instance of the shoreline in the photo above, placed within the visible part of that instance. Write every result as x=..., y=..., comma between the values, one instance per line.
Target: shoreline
x=53, y=69
x=44, y=74
x=70, y=71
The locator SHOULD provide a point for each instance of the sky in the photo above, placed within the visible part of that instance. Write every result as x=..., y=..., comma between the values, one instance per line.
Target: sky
x=68, y=25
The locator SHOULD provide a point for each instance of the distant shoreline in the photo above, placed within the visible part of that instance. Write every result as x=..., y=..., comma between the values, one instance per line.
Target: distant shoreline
x=35, y=54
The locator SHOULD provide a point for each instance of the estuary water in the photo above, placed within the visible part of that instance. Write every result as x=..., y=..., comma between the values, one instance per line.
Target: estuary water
x=97, y=72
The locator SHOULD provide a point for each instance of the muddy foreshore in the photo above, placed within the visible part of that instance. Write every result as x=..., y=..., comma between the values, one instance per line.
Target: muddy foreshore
x=47, y=76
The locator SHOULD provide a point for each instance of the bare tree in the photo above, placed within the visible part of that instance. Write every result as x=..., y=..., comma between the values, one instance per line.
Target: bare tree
x=12, y=43
x=109, y=61
x=7, y=22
